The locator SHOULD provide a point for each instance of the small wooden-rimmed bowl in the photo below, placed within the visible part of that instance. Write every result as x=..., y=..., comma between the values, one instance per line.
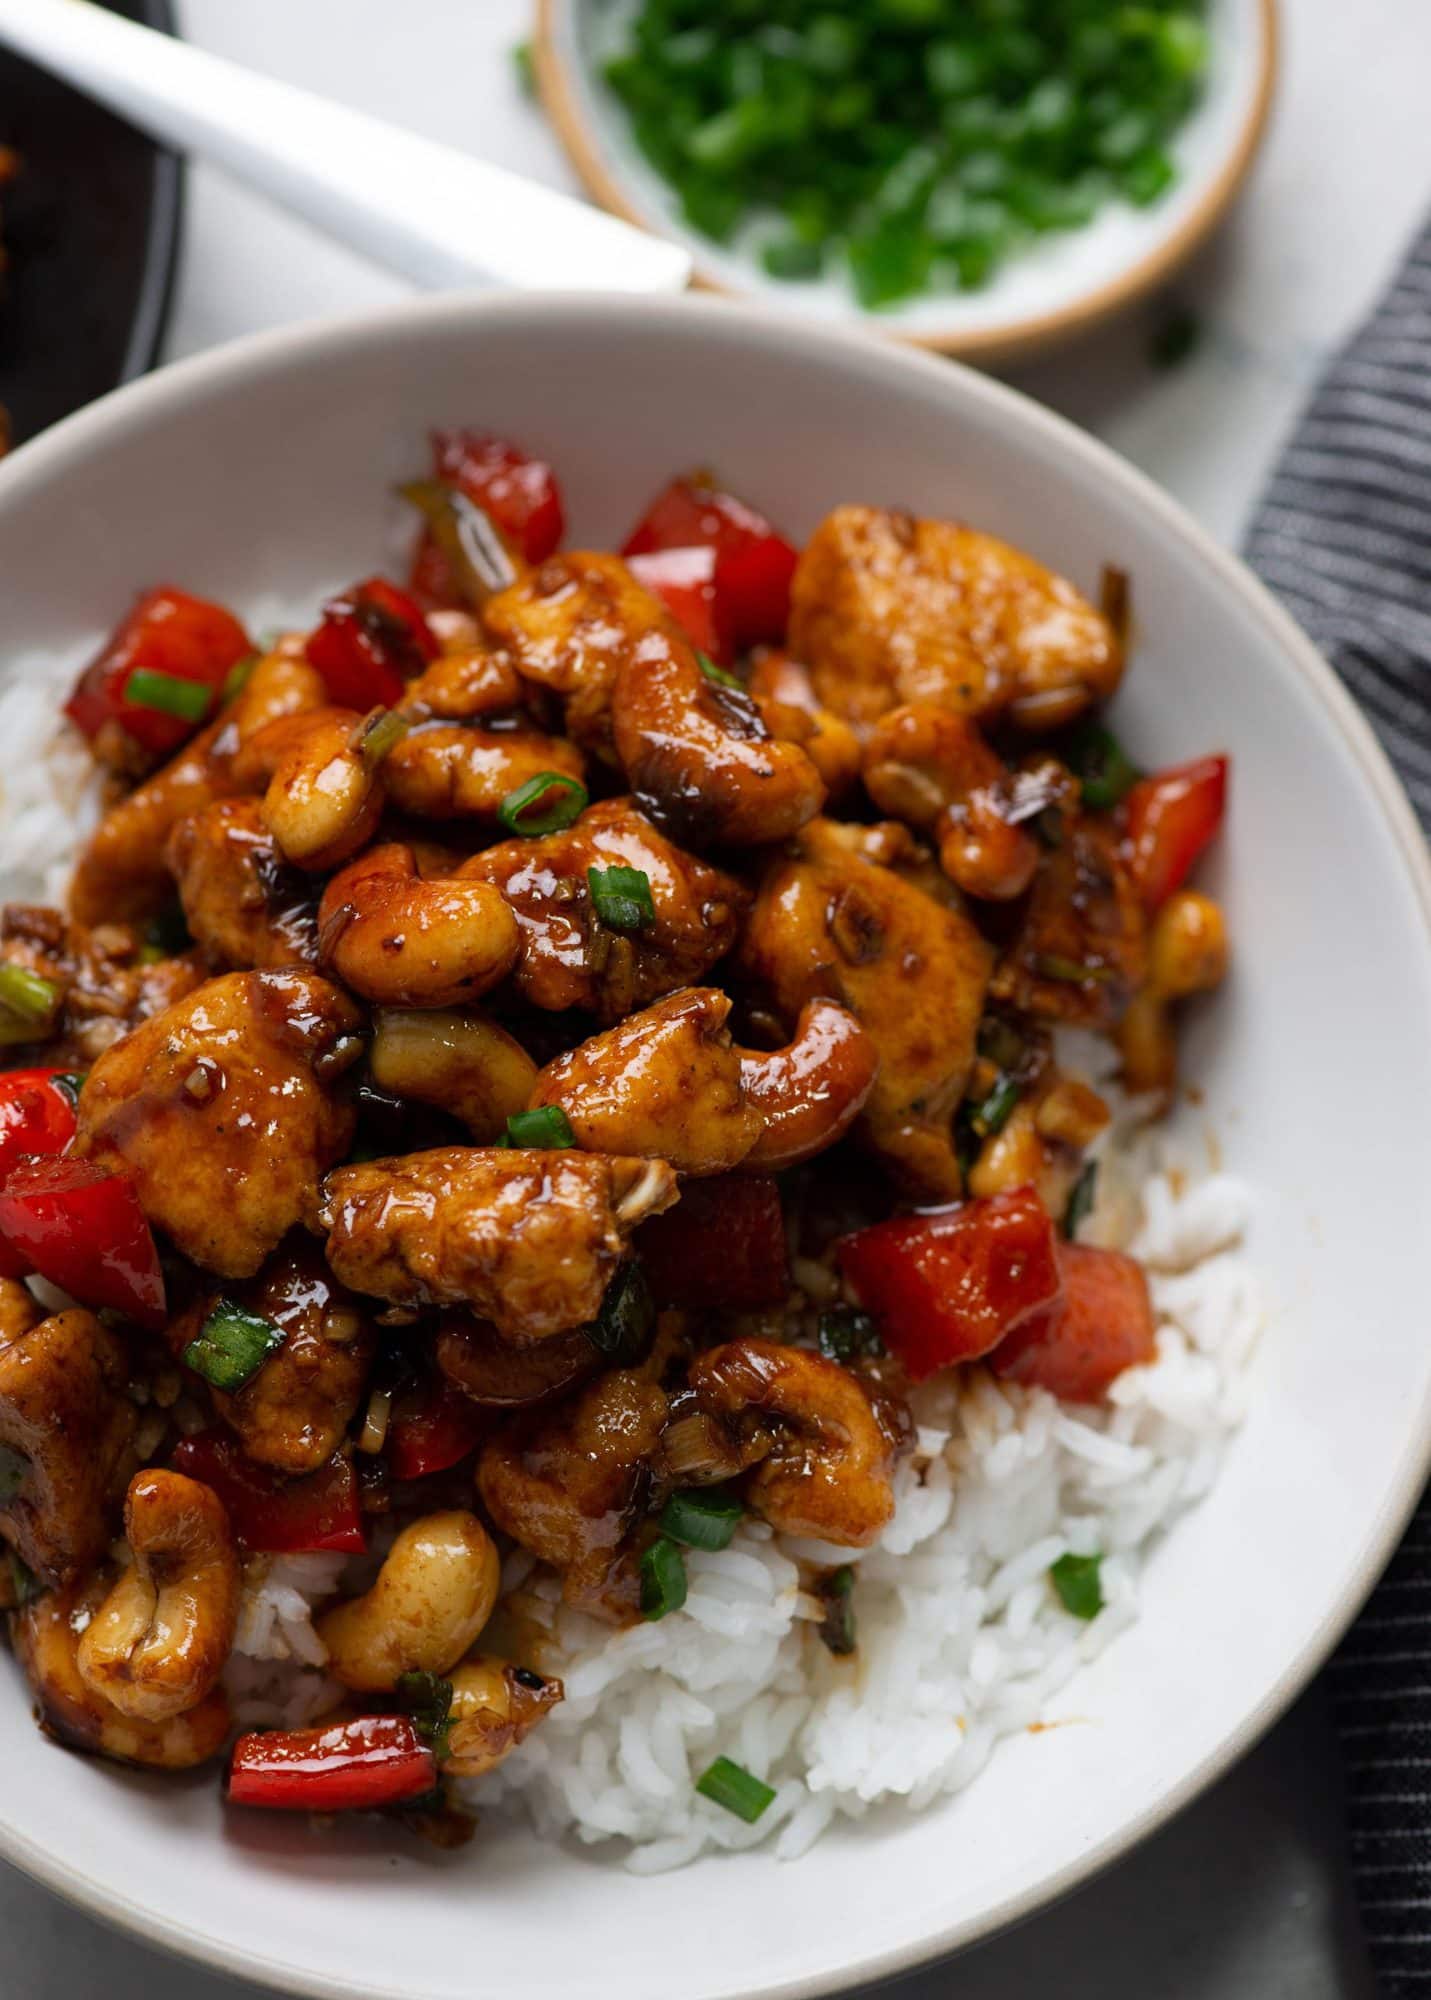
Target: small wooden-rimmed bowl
x=1062, y=285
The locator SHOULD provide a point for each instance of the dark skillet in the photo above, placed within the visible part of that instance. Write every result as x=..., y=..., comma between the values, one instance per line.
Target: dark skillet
x=91, y=228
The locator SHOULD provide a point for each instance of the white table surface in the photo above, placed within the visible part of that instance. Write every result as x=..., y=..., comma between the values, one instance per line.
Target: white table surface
x=1245, y=1895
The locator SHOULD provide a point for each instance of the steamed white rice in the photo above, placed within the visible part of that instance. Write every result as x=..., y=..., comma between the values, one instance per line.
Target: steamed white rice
x=962, y=1639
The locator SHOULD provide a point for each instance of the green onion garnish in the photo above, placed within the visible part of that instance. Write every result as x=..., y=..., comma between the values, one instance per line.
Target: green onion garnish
x=524, y=811
x=1105, y=773
x=70, y=1082
x=237, y=678
x=714, y=673
x=730, y=1785
x=1076, y=1580
x=23, y=1581
x=837, y=1627
x=547, y=1126
x=381, y=733
x=14, y=1471
x=474, y=550
x=28, y=1004
x=993, y=1114
x=1070, y=971
x=663, y=1579
x=170, y=694
x=427, y=1698
x=622, y=897
x=1080, y=1201
x=702, y=1517
x=1001, y=1042
x=622, y=1329
x=845, y=1333
x=232, y=1345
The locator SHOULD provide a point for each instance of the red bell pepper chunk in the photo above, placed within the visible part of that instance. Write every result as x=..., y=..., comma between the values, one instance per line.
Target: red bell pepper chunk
x=83, y=1229
x=1171, y=818
x=754, y=564
x=359, y=1766
x=519, y=495
x=373, y=640
x=1102, y=1325
x=431, y=1428
x=37, y=1115
x=947, y=1286
x=722, y=1245
x=272, y=1515
x=684, y=580
x=167, y=632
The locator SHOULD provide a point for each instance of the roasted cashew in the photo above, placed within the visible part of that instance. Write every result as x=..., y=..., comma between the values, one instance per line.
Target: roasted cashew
x=456, y=1059
x=494, y=1706
x=934, y=769
x=48, y=1634
x=465, y=682
x=18, y=1311
x=434, y=1593
x=156, y=1646
x=830, y=1445
x=785, y=695
x=324, y=796
x=405, y=940
x=491, y=1371
x=700, y=759
x=452, y=771
x=811, y=1091
x=1187, y=954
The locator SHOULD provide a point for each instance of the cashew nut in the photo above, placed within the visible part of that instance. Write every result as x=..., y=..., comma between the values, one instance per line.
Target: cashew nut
x=457, y=772
x=934, y=769
x=456, y=1059
x=475, y=1359
x=1187, y=954
x=811, y=1091
x=785, y=695
x=403, y=940
x=158, y=1643
x=434, y=1593
x=494, y=1707
x=324, y=797
x=466, y=680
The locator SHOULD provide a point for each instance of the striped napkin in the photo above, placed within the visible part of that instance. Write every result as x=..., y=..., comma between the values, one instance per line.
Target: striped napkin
x=1344, y=538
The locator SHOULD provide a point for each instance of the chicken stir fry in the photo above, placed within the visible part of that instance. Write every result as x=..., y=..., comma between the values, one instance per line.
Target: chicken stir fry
x=473, y=1021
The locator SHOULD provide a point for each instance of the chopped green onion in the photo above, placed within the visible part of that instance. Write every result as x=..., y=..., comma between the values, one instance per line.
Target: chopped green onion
x=380, y=734
x=622, y=897
x=427, y=1698
x=622, y=1329
x=71, y=1082
x=993, y=1114
x=1070, y=971
x=546, y=1126
x=702, y=1517
x=1002, y=1043
x=28, y=1004
x=837, y=1627
x=732, y=1786
x=170, y=694
x=845, y=1333
x=522, y=811
x=23, y=1581
x=1079, y=1587
x=466, y=536
x=232, y=1345
x=524, y=63
x=237, y=678
x=14, y=1471
x=663, y=1579
x=1080, y=1201
x=717, y=674
x=1104, y=770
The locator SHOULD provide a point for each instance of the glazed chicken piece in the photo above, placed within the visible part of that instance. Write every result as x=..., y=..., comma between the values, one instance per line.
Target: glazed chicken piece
x=528, y=1239
x=569, y=626
x=66, y=1429
x=226, y=1111
x=888, y=609
x=444, y=771
x=104, y=981
x=569, y=958
x=245, y=905
x=912, y=970
x=294, y=1413
x=570, y=1483
x=783, y=692
x=1081, y=950
x=468, y=684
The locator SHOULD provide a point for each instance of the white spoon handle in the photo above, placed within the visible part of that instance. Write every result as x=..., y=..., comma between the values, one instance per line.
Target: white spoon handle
x=435, y=215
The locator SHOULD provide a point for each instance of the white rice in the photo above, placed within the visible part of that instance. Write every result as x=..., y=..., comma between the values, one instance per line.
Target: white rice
x=962, y=1639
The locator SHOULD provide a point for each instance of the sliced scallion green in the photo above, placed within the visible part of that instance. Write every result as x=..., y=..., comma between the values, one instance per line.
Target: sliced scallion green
x=545, y=1127
x=1070, y=971
x=730, y=1785
x=28, y=1004
x=475, y=551
x=622, y=1329
x=1079, y=1586
x=237, y=678
x=845, y=1333
x=1105, y=772
x=663, y=1579
x=837, y=1627
x=381, y=734
x=992, y=1114
x=170, y=694
x=232, y=1345
x=702, y=1517
x=621, y=897
x=714, y=673
x=70, y=1082
x=548, y=803
x=427, y=1698
x=1081, y=1200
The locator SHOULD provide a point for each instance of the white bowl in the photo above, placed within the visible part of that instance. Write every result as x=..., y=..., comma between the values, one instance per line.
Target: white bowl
x=1064, y=284
x=264, y=470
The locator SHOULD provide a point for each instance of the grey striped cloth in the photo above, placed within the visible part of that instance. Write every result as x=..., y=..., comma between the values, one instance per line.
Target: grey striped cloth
x=1344, y=538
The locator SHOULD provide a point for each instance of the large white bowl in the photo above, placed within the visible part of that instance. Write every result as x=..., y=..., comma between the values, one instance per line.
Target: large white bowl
x=264, y=471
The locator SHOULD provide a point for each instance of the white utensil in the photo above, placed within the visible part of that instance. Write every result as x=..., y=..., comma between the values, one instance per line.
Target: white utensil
x=434, y=215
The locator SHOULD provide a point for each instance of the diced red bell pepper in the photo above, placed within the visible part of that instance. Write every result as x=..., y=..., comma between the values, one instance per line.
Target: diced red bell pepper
x=684, y=580
x=373, y=640
x=271, y=1515
x=1102, y=1325
x=947, y=1286
x=37, y=1115
x=722, y=1245
x=359, y=1766
x=754, y=564
x=1171, y=818
x=168, y=632
x=83, y=1229
x=519, y=494
x=431, y=1428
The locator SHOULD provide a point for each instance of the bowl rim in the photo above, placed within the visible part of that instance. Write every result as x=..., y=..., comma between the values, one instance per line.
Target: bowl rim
x=1013, y=340
x=124, y=413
